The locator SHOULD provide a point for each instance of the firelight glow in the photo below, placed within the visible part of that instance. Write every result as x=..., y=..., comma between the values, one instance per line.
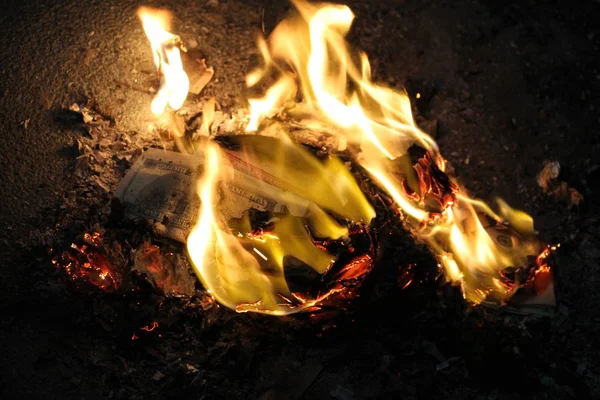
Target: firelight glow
x=309, y=54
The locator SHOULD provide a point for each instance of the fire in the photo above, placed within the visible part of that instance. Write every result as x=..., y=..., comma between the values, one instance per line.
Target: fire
x=336, y=89
x=166, y=50
x=243, y=266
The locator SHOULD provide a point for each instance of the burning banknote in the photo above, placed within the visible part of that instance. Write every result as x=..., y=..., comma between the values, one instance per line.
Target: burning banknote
x=270, y=202
x=491, y=254
x=160, y=187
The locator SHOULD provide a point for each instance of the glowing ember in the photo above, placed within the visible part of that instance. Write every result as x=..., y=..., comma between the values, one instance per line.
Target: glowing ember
x=89, y=263
x=151, y=327
x=165, y=271
x=166, y=49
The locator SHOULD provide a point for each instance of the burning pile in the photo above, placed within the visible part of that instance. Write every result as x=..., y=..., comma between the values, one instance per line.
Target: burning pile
x=302, y=211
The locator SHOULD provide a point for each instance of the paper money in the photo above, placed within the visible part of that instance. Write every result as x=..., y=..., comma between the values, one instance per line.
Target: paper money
x=162, y=188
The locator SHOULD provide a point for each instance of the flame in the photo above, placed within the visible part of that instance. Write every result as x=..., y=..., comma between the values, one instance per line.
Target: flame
x=243, y=265
x=244, y=268
x=475, y=245
x=166, y=50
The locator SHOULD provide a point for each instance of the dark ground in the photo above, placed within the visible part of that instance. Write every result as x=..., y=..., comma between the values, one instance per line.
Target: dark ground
x=512, y=83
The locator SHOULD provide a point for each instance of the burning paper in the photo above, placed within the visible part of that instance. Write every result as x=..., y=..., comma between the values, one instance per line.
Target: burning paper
x=166, y=272
x=160, y=186
x=335, y=88
x=250, y=266
x=244, y=266
x=490, y=254
x=198, y=73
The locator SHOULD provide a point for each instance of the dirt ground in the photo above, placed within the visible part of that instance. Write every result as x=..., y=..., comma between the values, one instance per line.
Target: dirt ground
x=511, y=84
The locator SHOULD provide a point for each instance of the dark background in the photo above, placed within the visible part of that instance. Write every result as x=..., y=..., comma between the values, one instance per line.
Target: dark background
x=512, y=83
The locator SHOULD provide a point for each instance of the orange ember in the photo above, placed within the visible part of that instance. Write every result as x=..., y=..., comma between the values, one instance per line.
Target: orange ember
x=150, y=327
x=89, y=263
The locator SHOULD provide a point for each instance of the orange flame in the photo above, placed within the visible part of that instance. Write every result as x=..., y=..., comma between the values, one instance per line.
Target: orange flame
x=379, y=119
x=244, y=270
x=167, y=58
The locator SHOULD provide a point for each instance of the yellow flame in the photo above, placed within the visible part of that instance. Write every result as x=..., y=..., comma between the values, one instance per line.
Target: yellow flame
x=166, y=48
x=226, y=269
x=244, y=269
x=337, y=89
x=282, y=90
